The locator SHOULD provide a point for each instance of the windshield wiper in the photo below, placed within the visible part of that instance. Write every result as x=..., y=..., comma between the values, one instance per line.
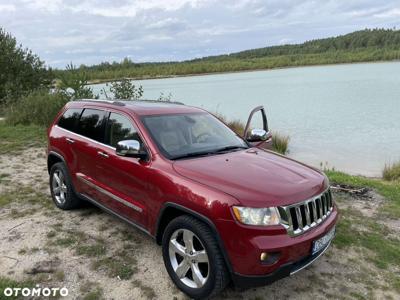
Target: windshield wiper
x=212, y=152
x=228, y=148
x=193, y=154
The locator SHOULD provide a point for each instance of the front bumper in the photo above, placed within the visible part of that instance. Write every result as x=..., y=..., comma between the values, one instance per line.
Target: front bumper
x=246, y=281
x=245, y=244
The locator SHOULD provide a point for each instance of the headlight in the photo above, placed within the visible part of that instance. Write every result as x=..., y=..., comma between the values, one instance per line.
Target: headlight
x=257, y=216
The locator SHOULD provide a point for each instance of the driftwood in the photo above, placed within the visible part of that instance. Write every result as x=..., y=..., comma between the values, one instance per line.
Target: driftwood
x=349, y=189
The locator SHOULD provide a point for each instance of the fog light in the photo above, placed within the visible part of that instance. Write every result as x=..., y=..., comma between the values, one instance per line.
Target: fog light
x=263, y=256
x=269, y=258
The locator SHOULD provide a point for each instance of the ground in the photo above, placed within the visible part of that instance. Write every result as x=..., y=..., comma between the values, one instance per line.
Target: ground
x=97, y=256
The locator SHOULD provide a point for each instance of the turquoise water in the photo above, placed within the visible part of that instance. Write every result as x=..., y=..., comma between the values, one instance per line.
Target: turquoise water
x=347, y=116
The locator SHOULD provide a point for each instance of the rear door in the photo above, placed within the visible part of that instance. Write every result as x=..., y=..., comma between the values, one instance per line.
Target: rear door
x=124, y=179
x=90, y=136
x=64, y=138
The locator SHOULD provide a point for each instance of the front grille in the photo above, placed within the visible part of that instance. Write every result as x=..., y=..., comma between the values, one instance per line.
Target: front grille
x=302, y=216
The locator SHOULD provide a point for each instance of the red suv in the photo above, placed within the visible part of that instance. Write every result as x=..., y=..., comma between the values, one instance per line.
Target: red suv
x=222, y=208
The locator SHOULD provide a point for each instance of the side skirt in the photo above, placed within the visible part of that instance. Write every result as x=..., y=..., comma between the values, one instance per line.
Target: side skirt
x=106, y=209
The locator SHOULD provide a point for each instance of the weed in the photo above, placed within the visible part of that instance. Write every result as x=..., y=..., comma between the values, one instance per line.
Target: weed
x=391, y=172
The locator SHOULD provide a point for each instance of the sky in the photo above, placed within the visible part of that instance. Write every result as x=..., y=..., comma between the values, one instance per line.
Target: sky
x=92, y=31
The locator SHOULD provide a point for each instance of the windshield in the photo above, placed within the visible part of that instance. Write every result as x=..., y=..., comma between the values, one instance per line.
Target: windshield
x=190, y=135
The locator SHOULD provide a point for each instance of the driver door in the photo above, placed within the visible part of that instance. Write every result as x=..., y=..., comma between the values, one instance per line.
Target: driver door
x=124, y=179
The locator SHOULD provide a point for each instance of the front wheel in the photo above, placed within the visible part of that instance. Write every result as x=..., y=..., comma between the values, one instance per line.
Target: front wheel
x=193, y=259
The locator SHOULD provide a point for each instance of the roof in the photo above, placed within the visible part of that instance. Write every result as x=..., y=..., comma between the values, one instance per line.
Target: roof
x=144, y=107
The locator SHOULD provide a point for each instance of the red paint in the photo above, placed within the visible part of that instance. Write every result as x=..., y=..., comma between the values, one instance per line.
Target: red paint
x=208, y=185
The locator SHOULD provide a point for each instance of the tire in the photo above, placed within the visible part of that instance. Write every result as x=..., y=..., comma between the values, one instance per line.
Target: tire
x=213, y=277
x=64, y=197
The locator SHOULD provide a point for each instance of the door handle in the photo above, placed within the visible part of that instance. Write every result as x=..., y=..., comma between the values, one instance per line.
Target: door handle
x=69, y=141
x=103, y=154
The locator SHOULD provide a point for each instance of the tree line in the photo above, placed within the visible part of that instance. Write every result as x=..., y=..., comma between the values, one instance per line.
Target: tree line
x=360, y=46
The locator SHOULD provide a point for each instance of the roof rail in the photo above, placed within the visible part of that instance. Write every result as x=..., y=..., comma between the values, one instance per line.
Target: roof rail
x=103, y=101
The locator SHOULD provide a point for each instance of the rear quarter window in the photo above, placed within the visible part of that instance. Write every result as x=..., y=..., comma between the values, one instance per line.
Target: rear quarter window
x=69, y=119
x=91, y=124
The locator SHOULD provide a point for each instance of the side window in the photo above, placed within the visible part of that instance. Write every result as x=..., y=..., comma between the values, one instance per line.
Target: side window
x=119, y=128
x=91, y=124
x=69, y=119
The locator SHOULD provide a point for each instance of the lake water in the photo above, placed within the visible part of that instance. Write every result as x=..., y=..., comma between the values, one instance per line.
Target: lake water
x=347, y=116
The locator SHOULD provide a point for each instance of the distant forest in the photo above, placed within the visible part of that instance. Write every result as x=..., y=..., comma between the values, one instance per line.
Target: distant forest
x=360, y=46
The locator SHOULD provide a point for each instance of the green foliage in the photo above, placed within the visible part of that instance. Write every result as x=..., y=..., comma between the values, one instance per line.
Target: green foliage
x=125, y=89
x=73, y=84
x=391, y=172
x=21, y=71
x=280, y=143
x=360, y=46
x=39, y=108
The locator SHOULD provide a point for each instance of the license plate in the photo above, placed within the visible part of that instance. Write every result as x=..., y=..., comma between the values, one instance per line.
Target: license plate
x=321, y=243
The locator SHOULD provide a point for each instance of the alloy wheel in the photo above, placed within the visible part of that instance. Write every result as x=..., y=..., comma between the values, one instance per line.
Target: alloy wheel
x=59, y=187
x=189, y=258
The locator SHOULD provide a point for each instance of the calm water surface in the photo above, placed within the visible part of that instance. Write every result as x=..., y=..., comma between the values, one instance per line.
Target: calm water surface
x=347, y=116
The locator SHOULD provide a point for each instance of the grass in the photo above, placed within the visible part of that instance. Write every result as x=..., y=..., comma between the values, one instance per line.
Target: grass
x=25, y=195
x=375, y=242
x=147, y=291
x=121, y=265
x=20, y=137
x=97, y=294
x=9, y=283
x=389, y=190
x=280, y=143
x=391, y=172
x=95, y=250
x=373, y=236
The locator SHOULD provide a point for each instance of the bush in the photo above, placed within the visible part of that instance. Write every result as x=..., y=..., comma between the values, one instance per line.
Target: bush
x=125, y=89
x=39, y=108
x=73, y=84
x=236, y=125
x=21, y=70
x=280, y=143
x=391, y=172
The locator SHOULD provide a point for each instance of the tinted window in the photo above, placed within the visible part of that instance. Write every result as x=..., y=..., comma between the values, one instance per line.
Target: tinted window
x=69, y=119
x=91, y=124
x=119, y=128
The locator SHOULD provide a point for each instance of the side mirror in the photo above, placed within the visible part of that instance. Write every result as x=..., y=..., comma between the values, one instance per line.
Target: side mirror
x=257, y=135
x=130, y=148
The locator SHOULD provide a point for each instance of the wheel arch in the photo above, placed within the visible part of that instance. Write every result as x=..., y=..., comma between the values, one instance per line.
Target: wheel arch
x=53, y=158
x=172, y=210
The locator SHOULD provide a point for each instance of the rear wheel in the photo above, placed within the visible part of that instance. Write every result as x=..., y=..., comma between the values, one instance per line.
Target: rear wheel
x=193, y=259
x=61, y=188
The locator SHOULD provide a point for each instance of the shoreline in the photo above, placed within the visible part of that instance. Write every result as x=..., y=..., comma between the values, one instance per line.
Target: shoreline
x=101, y=81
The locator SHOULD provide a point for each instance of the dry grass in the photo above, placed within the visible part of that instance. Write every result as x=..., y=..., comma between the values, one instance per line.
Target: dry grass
x=280, y=143
x=391, y=172
x=236, y=125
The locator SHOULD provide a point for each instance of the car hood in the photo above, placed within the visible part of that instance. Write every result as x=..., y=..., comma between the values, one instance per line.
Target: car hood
x=255, y=177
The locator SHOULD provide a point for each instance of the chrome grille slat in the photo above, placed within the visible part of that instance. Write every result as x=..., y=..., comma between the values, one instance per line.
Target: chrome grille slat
x=302, y=216
x=299, y=217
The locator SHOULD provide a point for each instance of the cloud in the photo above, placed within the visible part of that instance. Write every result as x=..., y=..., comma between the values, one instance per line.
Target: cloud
x=91, y=31
x=4, y=8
